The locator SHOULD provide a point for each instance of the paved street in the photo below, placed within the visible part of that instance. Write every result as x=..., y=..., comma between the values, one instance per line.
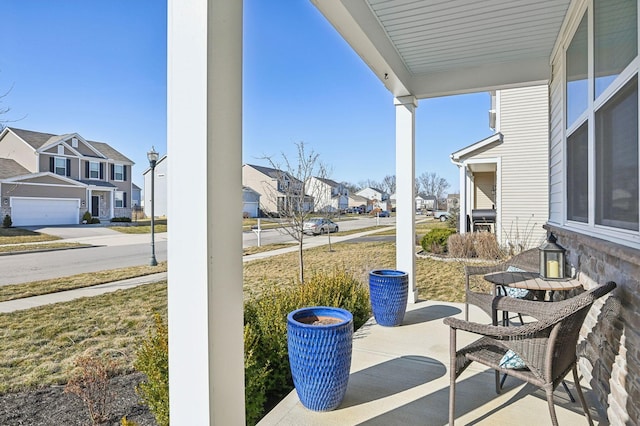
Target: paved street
x=275, y=236
x=112, y=250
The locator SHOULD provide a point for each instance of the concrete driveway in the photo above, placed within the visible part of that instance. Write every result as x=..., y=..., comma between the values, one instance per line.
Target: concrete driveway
x=74, y=231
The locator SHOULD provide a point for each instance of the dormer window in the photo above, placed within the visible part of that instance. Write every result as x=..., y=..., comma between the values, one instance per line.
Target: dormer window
x=60, y=150
x=74, y=142
x=94, y=170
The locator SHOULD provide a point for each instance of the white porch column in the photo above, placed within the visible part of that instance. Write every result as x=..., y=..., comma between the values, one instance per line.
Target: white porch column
x=462, y=168
x=112, y=202
x=206, y=362
x=405, y=188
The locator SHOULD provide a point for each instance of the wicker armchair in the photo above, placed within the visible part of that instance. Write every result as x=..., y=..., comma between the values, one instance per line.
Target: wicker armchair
x=528, y=260
x=547, y=346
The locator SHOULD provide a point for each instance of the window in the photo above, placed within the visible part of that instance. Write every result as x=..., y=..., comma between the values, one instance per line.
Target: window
x=615, y=39
x=119, y=198
x=578, y=175
x=118, y=172
x=60, y=166
x=94, y=170
x=577, y=67
x=60, y=150
x=617, y=160
x=602, y=143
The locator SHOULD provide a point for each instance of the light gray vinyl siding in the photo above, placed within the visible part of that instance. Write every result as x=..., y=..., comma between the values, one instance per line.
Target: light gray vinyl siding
x=14, y=148
x=524, y=164
x=556, y=177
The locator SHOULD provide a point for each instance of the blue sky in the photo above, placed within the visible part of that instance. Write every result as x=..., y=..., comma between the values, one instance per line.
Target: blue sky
x=98, y=68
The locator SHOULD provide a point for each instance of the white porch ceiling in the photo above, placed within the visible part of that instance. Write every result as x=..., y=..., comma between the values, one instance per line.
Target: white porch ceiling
x=429, y=48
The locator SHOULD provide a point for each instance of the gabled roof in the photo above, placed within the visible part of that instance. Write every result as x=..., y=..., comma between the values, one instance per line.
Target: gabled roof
x=30, y=175
x=134, y=186
x=39, y=140
x=331, y=183
x=10, y=168
x=496, y=137
x=271, y=172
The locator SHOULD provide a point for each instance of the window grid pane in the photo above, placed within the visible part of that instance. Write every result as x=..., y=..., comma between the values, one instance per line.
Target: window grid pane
x=615, y=39
x=578, y=175
x=577, y=73
x=617, y=160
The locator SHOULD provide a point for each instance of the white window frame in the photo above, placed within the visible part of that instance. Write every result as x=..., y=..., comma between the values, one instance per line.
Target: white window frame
x=121, y=173
x=118, y=196
x=619, y=235
x=56, y=167
x=97, y=170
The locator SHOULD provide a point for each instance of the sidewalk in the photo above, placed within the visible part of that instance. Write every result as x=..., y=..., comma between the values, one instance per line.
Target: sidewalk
x=65, y=296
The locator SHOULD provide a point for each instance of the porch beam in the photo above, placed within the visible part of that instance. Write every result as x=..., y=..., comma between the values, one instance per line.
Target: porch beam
x=405, y=190
x=204, y=106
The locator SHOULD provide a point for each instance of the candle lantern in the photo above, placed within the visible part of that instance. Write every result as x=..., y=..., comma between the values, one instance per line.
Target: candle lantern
x=551, y=259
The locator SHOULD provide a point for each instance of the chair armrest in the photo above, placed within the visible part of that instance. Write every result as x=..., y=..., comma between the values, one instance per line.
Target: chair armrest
x=536, y=309
x=483, y=270
x=497, y=331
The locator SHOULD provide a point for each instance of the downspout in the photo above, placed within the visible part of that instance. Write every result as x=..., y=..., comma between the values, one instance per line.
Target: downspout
x=462, y=212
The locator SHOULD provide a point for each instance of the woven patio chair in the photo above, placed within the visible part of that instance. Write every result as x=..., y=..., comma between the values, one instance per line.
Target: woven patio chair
x=528, y=261
x=547, y=346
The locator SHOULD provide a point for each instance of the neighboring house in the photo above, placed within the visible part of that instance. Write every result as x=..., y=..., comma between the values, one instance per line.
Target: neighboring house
x=250, y=202
x=357, y=201
x=377, y=198
x=136, y=197
x=159, y=188
x=328, y=195
x=507, y=173
x=279, y=191
x=425, y=202
x=453, y=201
x=48, y=179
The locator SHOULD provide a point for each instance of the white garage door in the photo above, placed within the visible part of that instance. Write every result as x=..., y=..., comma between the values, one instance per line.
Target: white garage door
x=44, y=211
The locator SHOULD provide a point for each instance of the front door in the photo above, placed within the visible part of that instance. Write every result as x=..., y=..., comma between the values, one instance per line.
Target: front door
x=95, y=206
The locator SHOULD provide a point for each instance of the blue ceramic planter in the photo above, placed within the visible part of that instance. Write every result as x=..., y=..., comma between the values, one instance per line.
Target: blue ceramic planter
x=388, y=292
x=320, y=355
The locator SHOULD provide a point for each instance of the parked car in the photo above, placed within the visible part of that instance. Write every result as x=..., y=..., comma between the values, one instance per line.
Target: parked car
x=384, y=213
x=319, y=225
x=441, y=215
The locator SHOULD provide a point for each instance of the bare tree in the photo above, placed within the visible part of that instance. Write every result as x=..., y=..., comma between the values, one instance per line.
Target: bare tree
x=432, y=184
x=369, y=183
x=352, y=187
x=388, y=184
x=290, y=192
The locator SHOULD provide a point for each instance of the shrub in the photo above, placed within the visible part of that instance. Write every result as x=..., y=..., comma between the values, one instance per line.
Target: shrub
x=266, y=319
x=125, y=422
x=121, y=219
x=94, y=220
x=152, y=359
x=435, y=241
x=7, y=222
x=483, y=245
x=255, y=376
x=86, y=217
x=91, y=384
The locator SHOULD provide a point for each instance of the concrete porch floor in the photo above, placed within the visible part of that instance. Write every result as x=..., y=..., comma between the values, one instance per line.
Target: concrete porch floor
x=399, y=376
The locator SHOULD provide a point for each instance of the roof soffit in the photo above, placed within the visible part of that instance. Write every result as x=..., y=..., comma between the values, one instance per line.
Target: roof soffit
x=439, y=48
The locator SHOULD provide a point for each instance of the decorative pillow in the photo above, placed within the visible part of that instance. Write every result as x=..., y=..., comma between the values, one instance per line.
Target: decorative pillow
x=512, y=360
x=519, y=293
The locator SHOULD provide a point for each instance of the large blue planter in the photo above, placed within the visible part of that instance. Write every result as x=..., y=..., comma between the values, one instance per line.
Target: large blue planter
x=388, y=291
x=320, y=355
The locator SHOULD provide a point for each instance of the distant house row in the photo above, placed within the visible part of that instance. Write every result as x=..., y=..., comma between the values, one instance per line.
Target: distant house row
x=49, y=179
x=266, y=191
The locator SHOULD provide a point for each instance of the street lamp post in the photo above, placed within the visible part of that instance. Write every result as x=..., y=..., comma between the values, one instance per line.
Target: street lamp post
x=152, y=156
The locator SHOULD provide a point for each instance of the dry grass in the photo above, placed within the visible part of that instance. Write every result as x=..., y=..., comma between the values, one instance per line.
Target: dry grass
x=139, y=229
x=38, y=346
x=36, y=288
x=255, y=249
x=14, y=248
x=21, y=236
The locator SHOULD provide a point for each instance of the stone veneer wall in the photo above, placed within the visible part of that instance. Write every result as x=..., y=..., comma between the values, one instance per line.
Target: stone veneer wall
x=610, y=339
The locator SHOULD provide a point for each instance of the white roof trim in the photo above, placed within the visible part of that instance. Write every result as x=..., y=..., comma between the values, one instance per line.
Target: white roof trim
x=64, y=138
x=36, y=175
x=496, y=137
